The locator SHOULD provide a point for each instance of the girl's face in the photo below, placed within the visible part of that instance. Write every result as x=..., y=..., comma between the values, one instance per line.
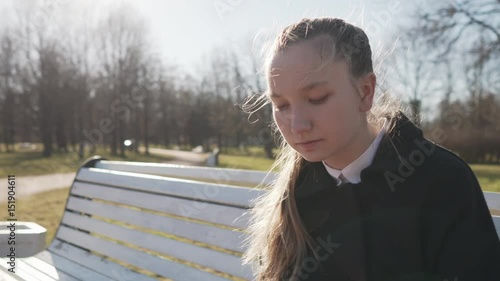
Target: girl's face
x=320, y=114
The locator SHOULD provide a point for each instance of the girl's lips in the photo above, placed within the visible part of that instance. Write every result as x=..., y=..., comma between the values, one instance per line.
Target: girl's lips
x=309, y=145
x=306, y=142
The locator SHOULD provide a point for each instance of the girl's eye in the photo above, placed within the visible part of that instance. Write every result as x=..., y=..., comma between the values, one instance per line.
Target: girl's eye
x=281, y=107
x=319, y=101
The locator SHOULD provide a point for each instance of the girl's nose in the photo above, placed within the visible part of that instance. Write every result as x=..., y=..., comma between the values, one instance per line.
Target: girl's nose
x=300, y=124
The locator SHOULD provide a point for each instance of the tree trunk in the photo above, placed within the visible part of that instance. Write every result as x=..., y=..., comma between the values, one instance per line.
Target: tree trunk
x=46, y=122
x=146, y=125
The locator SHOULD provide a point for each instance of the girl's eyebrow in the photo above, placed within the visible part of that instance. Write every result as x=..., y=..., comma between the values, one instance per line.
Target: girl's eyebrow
x=313, y=85
x=306, y=88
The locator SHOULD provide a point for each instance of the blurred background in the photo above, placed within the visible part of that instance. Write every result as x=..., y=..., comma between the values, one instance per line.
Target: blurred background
x=163, y=81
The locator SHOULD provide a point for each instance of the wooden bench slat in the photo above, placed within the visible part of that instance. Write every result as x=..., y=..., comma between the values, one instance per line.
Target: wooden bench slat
x=230, y=216
x=203, y=256
x=88, y=259
x=221, y=175
x=492, y=199
x=224, y=238
x=161, y=266
x=221, y=194
x=48, y=269
x=22, y=275
x=35, y=271
x=6, y=275
x=70, y=267
x=24, y=272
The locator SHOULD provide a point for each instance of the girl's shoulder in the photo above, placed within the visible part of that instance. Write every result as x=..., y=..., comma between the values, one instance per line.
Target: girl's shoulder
x=446, y=162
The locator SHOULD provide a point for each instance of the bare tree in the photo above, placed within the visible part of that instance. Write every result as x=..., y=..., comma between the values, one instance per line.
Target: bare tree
x=469, y=31
x=413, y=72
x=79, y=76
x=470, y=27
x=8, y=102
x=122, y=49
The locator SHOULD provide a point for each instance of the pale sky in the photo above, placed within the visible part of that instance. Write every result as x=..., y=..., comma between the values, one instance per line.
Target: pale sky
x=187, y=30
x=184, y=31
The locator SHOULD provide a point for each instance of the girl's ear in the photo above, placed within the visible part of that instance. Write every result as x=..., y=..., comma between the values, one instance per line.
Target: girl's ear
x=367, y=91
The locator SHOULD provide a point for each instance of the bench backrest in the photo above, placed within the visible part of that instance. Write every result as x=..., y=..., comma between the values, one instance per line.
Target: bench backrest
x=157, y=223
x=140, y=216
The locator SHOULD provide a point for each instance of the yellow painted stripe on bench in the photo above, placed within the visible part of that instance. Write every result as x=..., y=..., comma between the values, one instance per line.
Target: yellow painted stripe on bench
x=209, y=234
x=160, y=266
x=184, y=251
x=88, y=259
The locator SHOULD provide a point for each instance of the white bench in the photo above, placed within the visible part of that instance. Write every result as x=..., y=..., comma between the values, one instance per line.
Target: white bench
x=134, y=221
x=122, y=217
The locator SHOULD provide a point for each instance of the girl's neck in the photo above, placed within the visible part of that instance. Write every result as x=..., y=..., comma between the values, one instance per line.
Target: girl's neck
x=359, y=144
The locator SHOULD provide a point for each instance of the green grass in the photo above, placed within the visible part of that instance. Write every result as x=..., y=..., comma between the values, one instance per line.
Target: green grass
x=253, y=151
x=183, y=147
x=488, y=176
x=31, y=162
x=244, y=162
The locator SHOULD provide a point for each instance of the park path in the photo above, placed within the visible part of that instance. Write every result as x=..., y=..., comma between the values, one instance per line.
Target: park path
x=30, y=185
x=181, y=157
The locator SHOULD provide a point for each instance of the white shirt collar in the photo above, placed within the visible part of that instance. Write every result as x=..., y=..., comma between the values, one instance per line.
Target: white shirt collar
x=352, y=172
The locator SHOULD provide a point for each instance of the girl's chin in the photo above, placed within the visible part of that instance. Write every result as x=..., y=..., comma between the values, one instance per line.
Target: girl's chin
x=311, y=156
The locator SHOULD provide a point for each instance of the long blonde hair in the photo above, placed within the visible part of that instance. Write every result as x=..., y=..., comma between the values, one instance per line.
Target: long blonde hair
x=278, y=241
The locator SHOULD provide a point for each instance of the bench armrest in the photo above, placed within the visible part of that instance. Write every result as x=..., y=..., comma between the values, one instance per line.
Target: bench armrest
x=21, y=239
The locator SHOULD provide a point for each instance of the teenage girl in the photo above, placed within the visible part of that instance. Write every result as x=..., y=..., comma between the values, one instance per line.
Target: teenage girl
x=361, y=194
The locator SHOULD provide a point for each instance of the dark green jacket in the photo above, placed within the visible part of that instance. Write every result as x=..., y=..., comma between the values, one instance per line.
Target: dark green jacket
x=418, y=214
